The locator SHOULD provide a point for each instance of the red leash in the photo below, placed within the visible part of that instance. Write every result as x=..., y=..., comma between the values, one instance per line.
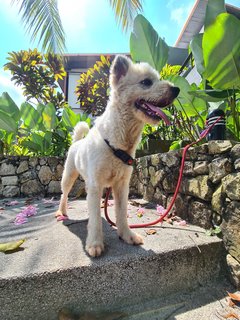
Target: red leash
x=160, y=219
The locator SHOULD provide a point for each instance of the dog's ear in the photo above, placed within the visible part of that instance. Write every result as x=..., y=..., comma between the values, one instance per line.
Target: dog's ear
x=119, y=68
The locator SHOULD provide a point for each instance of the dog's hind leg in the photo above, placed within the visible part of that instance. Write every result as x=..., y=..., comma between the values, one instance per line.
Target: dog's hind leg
x=94, y=243
x=120, y=193
x=69, y=176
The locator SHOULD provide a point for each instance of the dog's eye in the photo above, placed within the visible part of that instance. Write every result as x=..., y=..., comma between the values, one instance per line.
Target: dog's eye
x=147, y=82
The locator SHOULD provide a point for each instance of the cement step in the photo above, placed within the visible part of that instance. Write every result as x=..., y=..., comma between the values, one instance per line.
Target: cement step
x=54, y=271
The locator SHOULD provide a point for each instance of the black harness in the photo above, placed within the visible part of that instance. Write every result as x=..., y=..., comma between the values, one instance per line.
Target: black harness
x=122, y=155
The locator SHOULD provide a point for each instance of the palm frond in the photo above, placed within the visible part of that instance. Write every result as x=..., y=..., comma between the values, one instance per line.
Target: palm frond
x=41, y=19
x=125, y=11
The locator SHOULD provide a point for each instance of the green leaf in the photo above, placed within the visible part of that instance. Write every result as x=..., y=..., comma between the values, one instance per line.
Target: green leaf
x=11, y=246
x=8, y=106
x=69, y=118
x=50, y=120
x=7, y=122
x=213, y=95
x=197, y=51
x=146, y=45
x=221, y=52
x=214, y=8
x=176, y=145
x=30, y=116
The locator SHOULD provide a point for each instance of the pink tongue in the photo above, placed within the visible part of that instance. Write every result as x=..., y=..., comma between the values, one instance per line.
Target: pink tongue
x=159, y=112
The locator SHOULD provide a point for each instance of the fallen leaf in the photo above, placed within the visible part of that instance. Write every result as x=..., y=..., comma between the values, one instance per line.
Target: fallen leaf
x=234, y=296
x=10, y=246
x=150, y=231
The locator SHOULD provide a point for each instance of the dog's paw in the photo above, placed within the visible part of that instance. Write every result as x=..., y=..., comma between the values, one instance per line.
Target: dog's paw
x=59, y=213
x=95, y=249
x=131, y=238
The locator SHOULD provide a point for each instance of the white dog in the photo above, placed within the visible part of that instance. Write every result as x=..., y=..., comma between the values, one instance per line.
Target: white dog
x=137, y=96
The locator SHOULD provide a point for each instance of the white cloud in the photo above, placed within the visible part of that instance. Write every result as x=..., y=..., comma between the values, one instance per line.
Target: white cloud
x=73, y=14
x=177, y=15
x=180, y=14
x=6, y=85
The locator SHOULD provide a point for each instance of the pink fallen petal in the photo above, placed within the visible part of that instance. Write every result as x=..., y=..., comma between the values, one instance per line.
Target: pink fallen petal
x=140, y=211
x=160, y=210
x=62, y=218
x=20, y=220
x=182, y=223
x=29, y=211
x=13, y=203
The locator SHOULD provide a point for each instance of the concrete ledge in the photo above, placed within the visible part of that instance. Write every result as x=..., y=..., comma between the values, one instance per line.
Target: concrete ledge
x=54, y=270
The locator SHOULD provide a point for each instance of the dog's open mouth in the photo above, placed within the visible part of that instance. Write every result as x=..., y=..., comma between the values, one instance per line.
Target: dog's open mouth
x=153, y=109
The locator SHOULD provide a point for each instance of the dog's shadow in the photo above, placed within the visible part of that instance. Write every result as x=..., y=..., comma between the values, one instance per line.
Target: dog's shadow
x=114, y=246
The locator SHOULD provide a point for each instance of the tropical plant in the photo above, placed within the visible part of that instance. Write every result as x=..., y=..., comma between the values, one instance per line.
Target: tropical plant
x=93, y=87
x=125, y=11
x=35, y=130
x=38, y=75
x=217, y=56
x=41, y=18
x=219, y=69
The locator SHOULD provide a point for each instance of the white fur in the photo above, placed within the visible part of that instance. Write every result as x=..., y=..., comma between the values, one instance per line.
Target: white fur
x=91, y=157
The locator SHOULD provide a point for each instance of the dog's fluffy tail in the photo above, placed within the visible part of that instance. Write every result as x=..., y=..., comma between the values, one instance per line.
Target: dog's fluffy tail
x=80, y=131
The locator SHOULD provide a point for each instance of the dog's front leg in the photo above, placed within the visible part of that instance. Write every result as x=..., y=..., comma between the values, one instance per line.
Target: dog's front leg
x=120, y=192
x=94, y=243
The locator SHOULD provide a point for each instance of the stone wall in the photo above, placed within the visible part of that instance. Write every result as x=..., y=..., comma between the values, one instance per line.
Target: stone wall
x=209, y=193
x=28, y=176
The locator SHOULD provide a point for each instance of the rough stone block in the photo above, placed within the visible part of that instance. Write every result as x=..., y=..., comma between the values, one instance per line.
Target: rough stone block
x=218, y=198
x=23, y=166
x=234, y=269
x=170, y=159
x=231, y=185
x=197, y=187
x=11, y=191
x=45, y=175
x=7, y=169
x=231, y=228
x=219, y=168
x=235, y=152
x=32, y=187
x=219, y=146
x=10, y=181
x=200, y=214
x=54, y=187
x=201, y=167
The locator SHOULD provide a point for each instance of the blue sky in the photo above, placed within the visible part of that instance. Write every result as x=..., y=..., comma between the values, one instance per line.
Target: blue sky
x=90, y=27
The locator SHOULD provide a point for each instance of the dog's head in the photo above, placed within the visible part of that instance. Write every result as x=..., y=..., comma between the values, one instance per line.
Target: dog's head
x=139, y=88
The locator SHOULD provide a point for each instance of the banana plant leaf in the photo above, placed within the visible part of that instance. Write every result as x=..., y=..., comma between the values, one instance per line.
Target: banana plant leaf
x=221, y=52
x=213, y=95
x=197, y=51
x=8, y=106
x=146, y=45
x=214, y=8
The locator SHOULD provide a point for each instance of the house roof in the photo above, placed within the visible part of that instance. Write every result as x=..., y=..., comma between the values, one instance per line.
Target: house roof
x=195, y=22
x=85, y=61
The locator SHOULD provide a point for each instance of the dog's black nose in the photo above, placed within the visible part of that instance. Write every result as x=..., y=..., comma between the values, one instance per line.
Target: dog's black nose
x=175, y=91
